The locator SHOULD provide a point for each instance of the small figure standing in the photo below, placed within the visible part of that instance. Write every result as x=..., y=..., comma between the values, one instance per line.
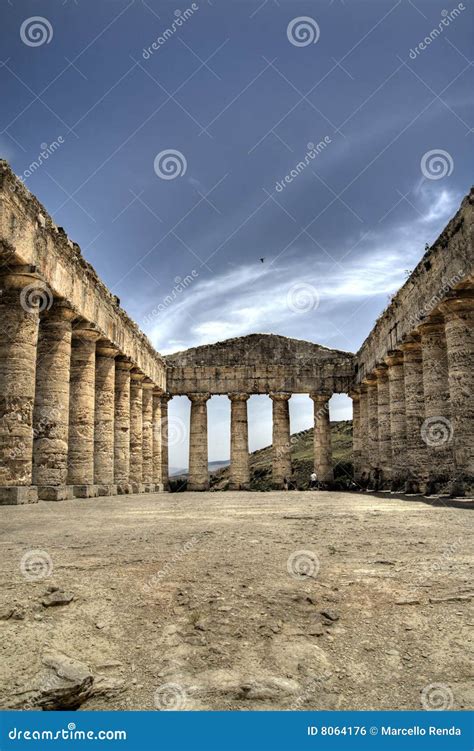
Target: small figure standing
x=285, y=483
x=313, y=481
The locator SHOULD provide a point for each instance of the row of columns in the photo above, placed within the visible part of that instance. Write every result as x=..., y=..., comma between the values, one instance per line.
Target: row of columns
x=77, y=419
x=413, y=415
x=198, y=478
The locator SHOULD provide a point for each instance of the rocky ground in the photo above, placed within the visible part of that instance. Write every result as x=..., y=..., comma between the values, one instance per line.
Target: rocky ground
x=236, y=601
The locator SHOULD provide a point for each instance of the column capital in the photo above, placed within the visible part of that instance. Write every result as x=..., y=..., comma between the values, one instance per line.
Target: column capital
x=238, y=397
x=198, y=398
x=86, y=331
x=61, y=311
x=104, y=348
x=279, y=396
x=370, y=380
x=158, y=392
x=354, y=393
x=461, y=302
x=320, y=398
x=394, y=357
x=166, y=397
x=137, y=376
x=123, y=363
x=381, y=371
x=411, y=343
x=148, y=384
x=431, y=325
x=19, y=276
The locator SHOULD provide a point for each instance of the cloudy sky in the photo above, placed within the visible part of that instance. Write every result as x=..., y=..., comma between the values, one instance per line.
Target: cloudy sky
x=239, y=91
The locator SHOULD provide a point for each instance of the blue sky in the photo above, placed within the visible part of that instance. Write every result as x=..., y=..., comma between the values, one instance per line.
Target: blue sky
x=231, y=91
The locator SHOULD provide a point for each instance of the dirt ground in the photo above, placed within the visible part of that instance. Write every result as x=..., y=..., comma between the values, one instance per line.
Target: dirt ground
x=241, y=601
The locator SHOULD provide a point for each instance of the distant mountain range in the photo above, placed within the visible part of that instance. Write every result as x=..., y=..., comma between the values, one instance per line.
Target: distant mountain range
x=213, y=467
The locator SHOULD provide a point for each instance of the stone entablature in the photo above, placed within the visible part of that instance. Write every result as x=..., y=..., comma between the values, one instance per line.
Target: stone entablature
x=29, y=237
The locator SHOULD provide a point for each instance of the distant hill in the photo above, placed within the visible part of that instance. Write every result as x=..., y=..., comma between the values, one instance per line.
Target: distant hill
x=301, y=457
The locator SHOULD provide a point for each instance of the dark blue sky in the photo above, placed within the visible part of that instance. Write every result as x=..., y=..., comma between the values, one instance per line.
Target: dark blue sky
x=240, y=101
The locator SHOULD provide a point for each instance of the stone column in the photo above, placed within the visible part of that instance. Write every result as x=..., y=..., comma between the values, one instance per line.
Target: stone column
x=436, y=431
x=322, y=438
x=459, y=329
x=415, y=415
x=239, y=443
x=364, y=431
x=373, y=424
x=281, y=443
x=198, y=462
x=104, y=418
x=136, y=431
x=356, y=435
x=123, y=367
x=165, y=398
x=51, y=413
x=396, y=388
x=147, y=436
x=81, y=411
x=383, y=419
x=157, y=441
x=19, y=317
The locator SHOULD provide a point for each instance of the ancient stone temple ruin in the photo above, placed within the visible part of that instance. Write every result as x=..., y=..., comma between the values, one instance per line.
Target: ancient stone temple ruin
x=84, y=396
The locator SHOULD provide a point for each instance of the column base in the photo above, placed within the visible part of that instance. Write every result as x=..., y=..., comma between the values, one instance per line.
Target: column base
x=137, y=487
x=198, y=486
x=85, y=491
x=159, y=487
x=124, y=488
x=55, y=492
x=148, y=487
x=18, y=494
x=103, y=490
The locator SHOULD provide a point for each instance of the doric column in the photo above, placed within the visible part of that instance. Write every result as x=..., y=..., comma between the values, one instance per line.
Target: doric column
x=436, y=431
x=281, y=444
x=19, y=316
x=104, y=418
x=383, y=419
x=356, y=434
x=198, y=462
x=136, y=431
x=81, y=411
x=415, y=415
x=458, y=315
x=322, y=438
x=123, y=367
x=239, y=443
x=165, y=398
x=373, y=425
x=147, y=435
x=364, y=430
x=51, y=413
x=157, y=441
x=396, y=388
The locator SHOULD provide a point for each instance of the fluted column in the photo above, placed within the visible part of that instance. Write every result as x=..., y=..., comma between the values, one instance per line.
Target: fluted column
x=147, y=435
x=81, y=411
x=157, y=441
x=383, y=419
x=19, y=316
x=396, y=386
x=436, y=431
x=51, y=412
x=356, y=434
x=364, y=430
x=239, y=443
x=136, y=431
x=198, y=461
x=415, y=415
x=458, y=315
x=104, y=418
x=123, y=367
x=165, y=398
x=281, y=443
x=322, y=438
x=373, y=424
